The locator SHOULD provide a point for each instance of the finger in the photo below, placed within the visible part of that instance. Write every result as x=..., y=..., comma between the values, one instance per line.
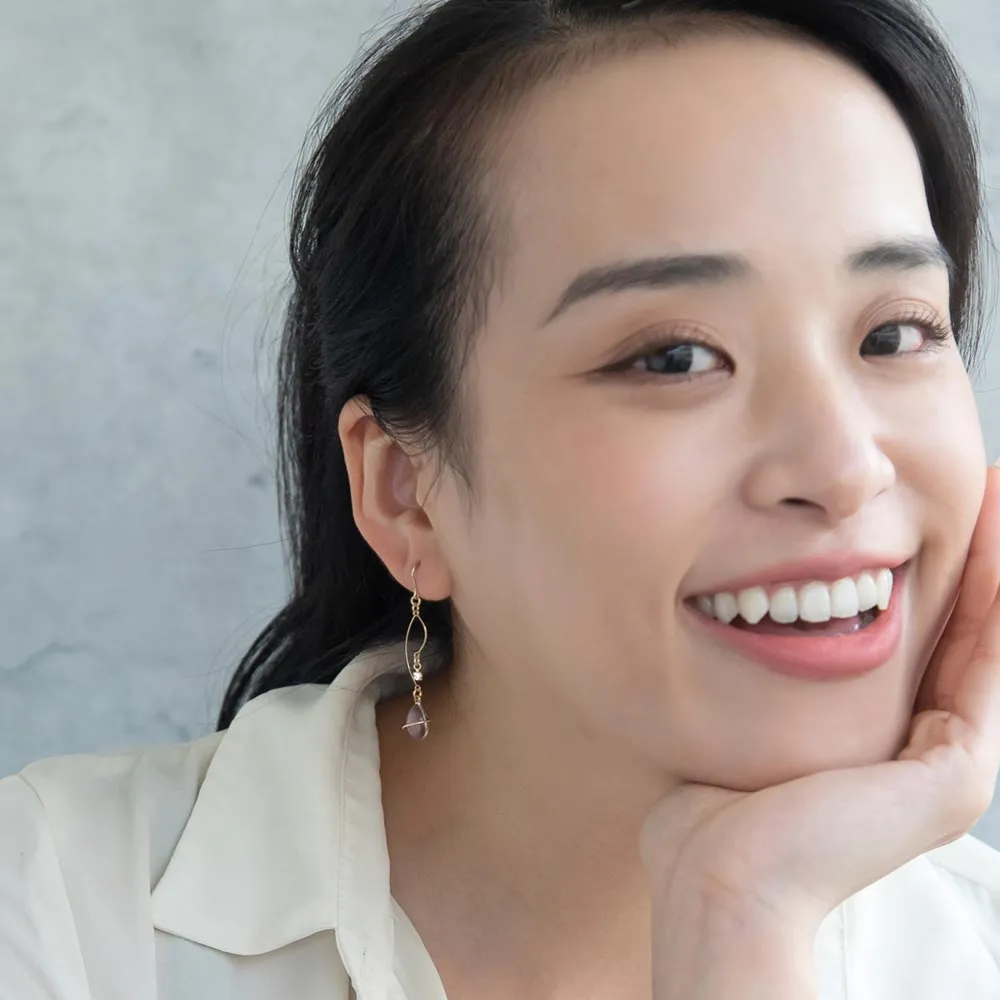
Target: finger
x=982, y=570
x=848, y=828
x=978, y=590
x=977, y=696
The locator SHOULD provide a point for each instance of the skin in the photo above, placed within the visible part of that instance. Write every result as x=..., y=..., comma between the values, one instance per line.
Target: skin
x=584, y=693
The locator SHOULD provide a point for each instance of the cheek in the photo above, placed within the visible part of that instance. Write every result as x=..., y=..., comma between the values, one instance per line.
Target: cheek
x=633, y=488
x=602, y=504
x=940, y=456
x=587, y=522
x=940, y=460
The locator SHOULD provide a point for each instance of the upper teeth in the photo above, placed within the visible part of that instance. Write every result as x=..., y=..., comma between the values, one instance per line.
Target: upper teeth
x=813, y=602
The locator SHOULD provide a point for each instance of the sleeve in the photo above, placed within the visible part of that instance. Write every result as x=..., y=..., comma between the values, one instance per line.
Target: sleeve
x=40, y=955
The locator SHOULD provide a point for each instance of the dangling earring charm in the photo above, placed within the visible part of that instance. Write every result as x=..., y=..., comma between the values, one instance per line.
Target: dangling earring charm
x=417, y=724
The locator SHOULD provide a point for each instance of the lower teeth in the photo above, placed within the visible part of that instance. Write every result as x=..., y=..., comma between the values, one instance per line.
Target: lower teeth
x=843, y=626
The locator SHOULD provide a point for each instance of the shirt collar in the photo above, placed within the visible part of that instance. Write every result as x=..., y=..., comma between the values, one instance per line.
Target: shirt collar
x=287, y=836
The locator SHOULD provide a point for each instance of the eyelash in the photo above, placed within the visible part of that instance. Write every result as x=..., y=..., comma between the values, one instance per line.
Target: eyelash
x=937, y=332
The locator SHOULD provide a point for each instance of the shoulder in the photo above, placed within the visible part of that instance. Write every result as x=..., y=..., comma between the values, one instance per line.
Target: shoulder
x=970, y=862
x=122, y=874
x=82, y=840
x=92, y=802
x=970, y=869
x=931, y=928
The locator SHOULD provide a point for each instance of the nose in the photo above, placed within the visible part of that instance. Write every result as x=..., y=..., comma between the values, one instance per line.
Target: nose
x=819, y=448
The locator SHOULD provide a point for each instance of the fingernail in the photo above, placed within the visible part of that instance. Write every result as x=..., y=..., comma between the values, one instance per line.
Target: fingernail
x=996, y=464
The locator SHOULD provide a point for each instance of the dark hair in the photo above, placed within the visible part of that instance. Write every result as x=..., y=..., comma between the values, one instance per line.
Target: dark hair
x=390, y=255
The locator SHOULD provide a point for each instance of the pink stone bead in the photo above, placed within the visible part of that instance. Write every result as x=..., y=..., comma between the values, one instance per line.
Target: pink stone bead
x=417, y=723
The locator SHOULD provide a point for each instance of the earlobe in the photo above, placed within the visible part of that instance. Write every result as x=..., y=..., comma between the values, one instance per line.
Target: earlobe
x=384, y=476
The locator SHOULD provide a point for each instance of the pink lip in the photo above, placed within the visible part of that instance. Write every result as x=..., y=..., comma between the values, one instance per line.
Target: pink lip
x=824, y=568
x=818, y=657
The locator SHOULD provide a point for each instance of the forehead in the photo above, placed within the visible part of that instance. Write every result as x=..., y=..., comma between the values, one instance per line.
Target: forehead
x=762, y=145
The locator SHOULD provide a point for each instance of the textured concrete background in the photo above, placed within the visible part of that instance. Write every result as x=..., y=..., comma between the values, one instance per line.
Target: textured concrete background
x=145, y=165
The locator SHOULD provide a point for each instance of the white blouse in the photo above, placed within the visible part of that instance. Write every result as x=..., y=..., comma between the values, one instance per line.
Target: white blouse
x=252, y=864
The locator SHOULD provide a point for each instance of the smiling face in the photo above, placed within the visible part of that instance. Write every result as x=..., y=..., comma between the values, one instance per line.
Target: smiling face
x=757, y=384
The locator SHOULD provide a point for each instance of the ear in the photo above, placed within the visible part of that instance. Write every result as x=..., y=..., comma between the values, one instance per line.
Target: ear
x=384, y=480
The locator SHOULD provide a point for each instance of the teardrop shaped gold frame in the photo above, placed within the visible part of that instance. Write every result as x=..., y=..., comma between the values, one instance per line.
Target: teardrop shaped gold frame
x=413, y=662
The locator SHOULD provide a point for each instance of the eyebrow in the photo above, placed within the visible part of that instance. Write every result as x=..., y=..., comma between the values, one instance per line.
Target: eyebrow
x=716, y=269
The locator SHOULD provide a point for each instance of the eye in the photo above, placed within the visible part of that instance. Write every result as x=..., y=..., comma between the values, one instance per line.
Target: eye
x=684, y=359
x=905, y=337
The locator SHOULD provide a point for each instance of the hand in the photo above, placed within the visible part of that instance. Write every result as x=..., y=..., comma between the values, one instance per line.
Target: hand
x=780, y=859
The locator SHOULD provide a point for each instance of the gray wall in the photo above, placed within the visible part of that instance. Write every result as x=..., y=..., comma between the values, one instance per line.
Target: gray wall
x=145, y=165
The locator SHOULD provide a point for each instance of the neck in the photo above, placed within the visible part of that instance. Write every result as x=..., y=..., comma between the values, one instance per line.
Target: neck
x=513, y=840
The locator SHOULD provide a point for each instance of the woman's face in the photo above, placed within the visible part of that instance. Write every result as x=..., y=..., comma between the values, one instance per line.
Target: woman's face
x=810, y=414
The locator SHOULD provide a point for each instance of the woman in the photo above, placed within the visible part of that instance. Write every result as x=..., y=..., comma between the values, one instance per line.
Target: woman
x=627, y=357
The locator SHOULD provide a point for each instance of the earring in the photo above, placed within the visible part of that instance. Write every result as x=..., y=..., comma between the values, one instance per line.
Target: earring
x=417, y=724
